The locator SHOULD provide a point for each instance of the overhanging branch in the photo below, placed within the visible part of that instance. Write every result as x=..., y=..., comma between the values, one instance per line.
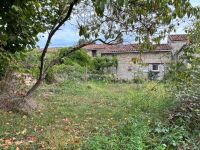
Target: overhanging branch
x=52, y=32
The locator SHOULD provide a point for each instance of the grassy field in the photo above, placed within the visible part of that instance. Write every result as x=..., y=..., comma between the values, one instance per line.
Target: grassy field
x=82, y=115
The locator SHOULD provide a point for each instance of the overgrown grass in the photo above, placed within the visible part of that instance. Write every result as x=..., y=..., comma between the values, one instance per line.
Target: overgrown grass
x=91, y=115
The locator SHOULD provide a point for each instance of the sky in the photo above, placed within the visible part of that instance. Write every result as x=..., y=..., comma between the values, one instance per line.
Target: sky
x=68, y=34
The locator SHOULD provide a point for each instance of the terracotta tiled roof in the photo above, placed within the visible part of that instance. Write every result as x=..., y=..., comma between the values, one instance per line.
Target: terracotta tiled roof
x=163, y=47
x=178, y=37
x=123, y=48
x=95, y=46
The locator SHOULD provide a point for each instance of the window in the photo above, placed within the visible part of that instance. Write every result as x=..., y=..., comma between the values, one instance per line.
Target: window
x=155, y=67
x=94, y=53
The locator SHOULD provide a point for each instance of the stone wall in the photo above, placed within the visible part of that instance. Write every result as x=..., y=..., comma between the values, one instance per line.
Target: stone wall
x=98, y=53
x=128, y=70
x=15, y=84
x=176, y=45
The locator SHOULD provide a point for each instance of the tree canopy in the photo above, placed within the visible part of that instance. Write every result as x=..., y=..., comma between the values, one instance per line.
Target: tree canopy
x=147, y=20
x=20, y=24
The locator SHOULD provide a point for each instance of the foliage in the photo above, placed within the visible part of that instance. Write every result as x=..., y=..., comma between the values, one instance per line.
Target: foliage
x=20, y=23
x=80, y=57
x=152, y=75
x=69, y=68
x=77, y=61
x=180, y=130
x=13, y=62
x=102, y=63
x=20, y=62
x=184, y=79
x=5, y=60
x=136, y=60
x=50, y=77
x=108, y=78
x=149, y=20
x=75, y=64
x=138, y=80
x=24, y=63
x=65, y=72
x=185, y=73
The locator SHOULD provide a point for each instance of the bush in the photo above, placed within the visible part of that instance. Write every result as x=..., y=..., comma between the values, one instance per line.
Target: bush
x=152, y=75
x=50, y=77
x=78, y=57
x=74, y=72
x=103, y=77
x=65, y=72
x=184, y=79
x=69, y=68
x=185, y=75
x=8, y=62
x=138, y=80
x=101, y=65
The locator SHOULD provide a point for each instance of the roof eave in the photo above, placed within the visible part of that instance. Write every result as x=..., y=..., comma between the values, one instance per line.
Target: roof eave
x=136, y=52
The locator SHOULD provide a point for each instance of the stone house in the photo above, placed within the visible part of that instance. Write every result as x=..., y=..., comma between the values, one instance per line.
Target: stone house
x=132, y=63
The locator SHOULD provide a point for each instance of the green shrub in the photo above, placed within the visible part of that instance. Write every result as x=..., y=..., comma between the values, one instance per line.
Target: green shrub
x=5, y=60
x=103, y=77
x=138, y=80
x=185, y=72
x=65, y=72
x=10, y=62
x=78, y=57
x=171, y=136
x=101, y=63
x=50, y=77
x=69, y=68
x=31, y=63
x=74, y=72
x=182, y=130
x=152, y=75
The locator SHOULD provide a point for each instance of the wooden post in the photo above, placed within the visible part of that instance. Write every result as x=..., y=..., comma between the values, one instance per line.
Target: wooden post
x=85, y=73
